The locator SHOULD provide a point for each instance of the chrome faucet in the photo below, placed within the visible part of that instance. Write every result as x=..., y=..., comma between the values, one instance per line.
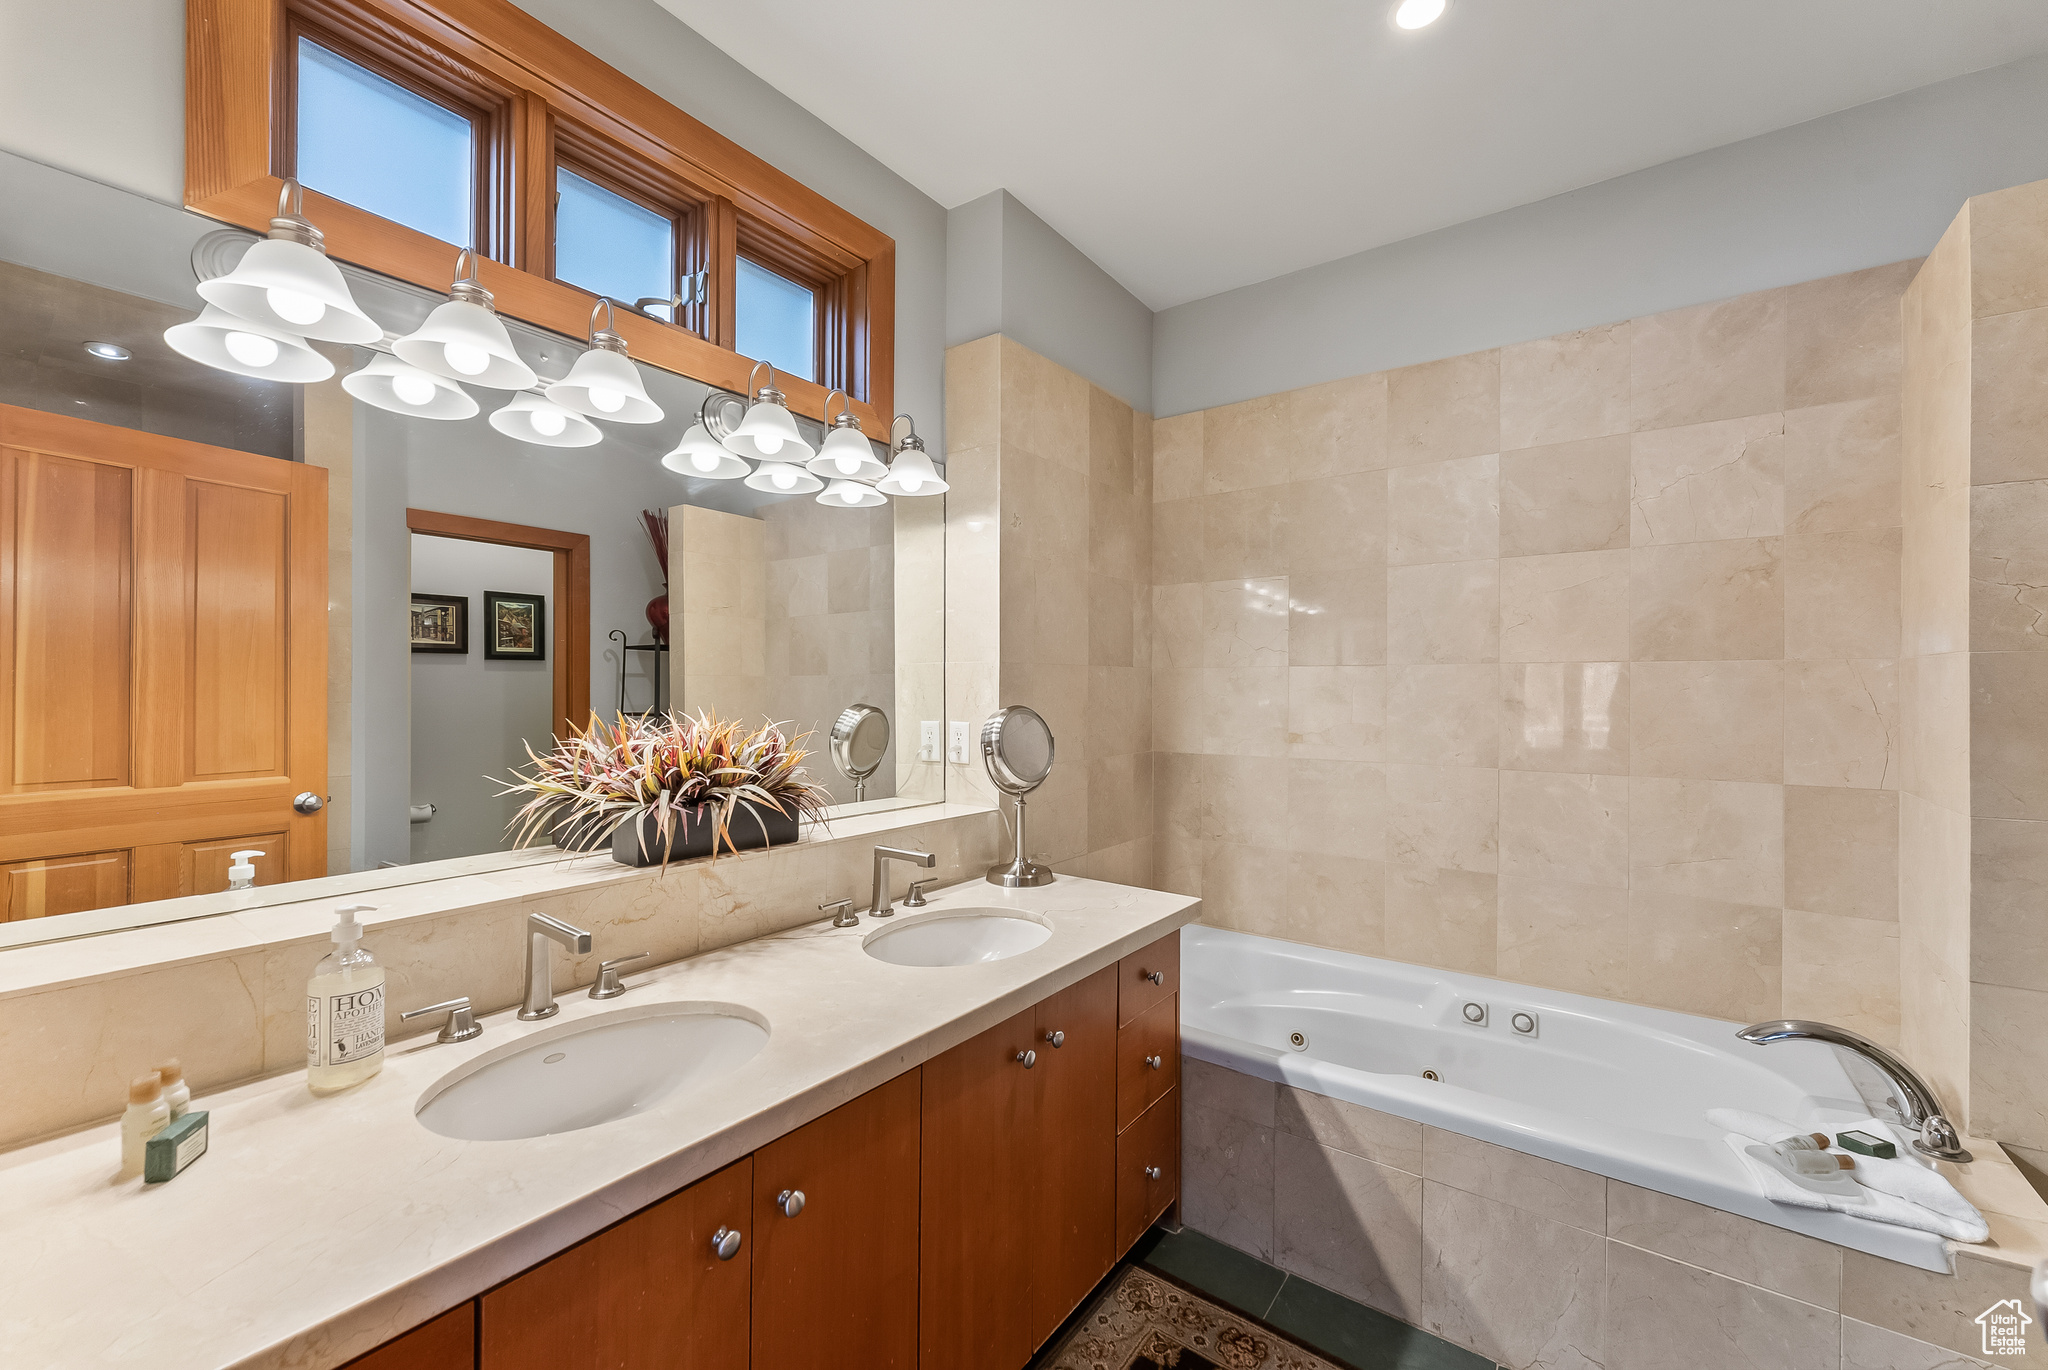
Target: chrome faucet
x=1915, y=1100
x=540, y=985
x=878, y=902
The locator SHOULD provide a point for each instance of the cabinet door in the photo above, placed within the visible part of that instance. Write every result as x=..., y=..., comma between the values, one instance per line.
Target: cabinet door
x=979, y=1189
x=651, y=1293
x=1076, y=1205
x=1147, y=1169
x=836, y=1284
x=446, y=1343
x=1147, y=1059
x=1147, y=976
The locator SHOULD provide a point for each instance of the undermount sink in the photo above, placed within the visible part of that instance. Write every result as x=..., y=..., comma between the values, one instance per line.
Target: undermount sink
x=957, y=937
x=595, y=1071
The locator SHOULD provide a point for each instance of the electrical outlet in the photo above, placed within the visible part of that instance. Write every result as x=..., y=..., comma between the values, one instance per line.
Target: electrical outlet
x=956, y=747
x=928, y=740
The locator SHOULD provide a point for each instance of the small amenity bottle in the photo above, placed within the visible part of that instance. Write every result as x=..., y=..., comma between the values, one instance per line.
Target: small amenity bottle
x=146, y=1115
x=1806, y=1160
x=345, y=1010
x=177, y=1093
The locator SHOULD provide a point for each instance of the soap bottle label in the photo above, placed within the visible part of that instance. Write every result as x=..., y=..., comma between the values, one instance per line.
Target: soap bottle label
x=344, y=1027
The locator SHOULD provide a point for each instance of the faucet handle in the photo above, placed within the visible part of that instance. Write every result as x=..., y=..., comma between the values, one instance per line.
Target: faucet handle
x=842, y=913
x=607, y=985
x=461, y=1024
x=915, y=899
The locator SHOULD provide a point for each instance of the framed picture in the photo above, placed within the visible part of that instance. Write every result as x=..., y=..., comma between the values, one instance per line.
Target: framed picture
x=440, y=623
x=515, y=627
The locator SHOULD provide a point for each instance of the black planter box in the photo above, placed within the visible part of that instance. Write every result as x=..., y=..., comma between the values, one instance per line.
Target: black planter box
x=751, y=826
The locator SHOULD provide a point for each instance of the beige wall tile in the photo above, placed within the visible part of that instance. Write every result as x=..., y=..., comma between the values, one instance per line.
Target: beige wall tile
x=1569, y=606
x=1244, y=533
x=1337, y=616
x=1443, y=715
x=1709, y=481
x=1337, y=428
x=1563, y=936
x=1179, y=624
x=1237, y=890
x=1343, y=1126
x=1934, y=943
x=1444, y=511
x=1443, y=613
x=1113, y=621
x=1443, y=816
x=1336, y=902
x=2008, y=397
x=1711, y=839
x=1344, y=1223
x=1707, y=720
x=1842, y=466
x=1934, y=728
x=1704, y=956
x=1519, y=1289
x=1842, y=723
x=1562, y=388
x=1444, y=409
x=1244, y=622
x=1558, y=1193
x=1844, y=971
x=2009, y=567
x=1117, y=812
x=1711, y=361
x=1865, y=1347
x=1177, y=542
x=1939, y=1309
x=1335, y=522
x=1209, y=1088
x=1335, y=807
x=2009, y=249
x=1662, y=1315
x=1044, y=408
x=1245, y=445
x=1842, y=851
x=1177, y=457
x=1564, y=827
x=973, y=393
x=1226, y=1179
x=1707, y=601
x=1842, y=594
x=1570, y=497
x=1565, y=716
x=1437, y=917
x=1337, y=712
x=1787, y=1263
x=2008, y=742
x=1842, y=335
x=2009, y=903
x=2008, y=1061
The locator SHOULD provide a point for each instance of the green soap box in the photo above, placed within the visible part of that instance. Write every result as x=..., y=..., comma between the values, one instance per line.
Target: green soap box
x=1862, y=1143
x=174, y=1148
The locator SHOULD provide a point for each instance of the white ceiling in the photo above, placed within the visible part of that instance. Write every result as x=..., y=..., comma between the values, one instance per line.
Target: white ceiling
x=1192, y=146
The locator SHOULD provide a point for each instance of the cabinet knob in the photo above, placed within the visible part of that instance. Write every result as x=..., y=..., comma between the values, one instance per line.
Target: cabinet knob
x=1154, y=1061
x=1027, y=1059
x=1058, y=1039
x=790, y=1201
x=1152, y=1172
x=1157, y=977
x=725, y=1242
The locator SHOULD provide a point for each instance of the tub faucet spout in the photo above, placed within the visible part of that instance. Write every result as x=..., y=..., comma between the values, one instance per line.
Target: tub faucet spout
x=1916, y=1100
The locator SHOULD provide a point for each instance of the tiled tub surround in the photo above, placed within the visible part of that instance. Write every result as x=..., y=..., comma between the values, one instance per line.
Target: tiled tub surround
x=1543, y=1266
x=1572, y=662
x=315, y=1229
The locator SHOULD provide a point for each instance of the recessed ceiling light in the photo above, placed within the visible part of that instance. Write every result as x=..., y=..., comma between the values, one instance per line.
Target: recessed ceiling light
x=108, y=352
x=1415, y=14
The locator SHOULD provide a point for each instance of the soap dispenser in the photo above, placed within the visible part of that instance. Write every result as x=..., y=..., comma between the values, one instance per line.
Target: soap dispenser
x=242, y=875
x=345, y=1010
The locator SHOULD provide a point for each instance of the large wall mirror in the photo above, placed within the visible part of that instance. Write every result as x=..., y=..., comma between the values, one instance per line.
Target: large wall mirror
x=271, y=635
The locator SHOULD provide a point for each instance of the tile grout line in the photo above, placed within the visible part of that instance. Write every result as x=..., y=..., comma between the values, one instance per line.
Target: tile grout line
x=1265, y=1314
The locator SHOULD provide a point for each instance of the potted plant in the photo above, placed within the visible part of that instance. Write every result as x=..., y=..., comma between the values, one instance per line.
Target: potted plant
x=666, y=786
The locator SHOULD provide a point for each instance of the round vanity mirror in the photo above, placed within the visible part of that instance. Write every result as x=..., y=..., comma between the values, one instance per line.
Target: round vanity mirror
x=860, y=737
x=1017, y=749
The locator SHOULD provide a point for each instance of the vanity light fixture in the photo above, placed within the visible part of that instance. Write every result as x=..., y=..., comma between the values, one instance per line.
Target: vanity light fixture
x=851, y=494
x=845, y=454
x=1416, y=14
x=699, y=454
x=910, y=468
x=402, y=388
x=604, y=383
x=768, y=433
x=286, y=281
x=464, y=340
x=783, y=478
x=227, y=342
x=537, y=419
x=108, y=352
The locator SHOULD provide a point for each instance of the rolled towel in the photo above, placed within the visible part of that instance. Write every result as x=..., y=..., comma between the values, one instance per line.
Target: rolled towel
x=1901, y=1192
x=1756, y=1126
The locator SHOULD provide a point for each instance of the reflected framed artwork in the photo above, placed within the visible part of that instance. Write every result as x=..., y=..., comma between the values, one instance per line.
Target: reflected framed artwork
x=440, y=623
x=515, y=626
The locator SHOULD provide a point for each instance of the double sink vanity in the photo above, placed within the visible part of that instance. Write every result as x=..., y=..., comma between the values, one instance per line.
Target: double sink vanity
x=919, y=1140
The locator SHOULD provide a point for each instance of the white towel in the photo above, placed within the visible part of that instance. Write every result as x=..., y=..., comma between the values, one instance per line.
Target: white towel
x=1901, y=1192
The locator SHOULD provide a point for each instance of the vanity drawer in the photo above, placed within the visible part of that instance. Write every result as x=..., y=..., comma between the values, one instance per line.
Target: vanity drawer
x=1147, y=1060
x=1136, y=991
x=1150, y=1144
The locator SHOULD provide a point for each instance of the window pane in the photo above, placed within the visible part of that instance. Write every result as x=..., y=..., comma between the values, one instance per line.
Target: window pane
x=774, y=317
x=378, y=146
x=608, y=244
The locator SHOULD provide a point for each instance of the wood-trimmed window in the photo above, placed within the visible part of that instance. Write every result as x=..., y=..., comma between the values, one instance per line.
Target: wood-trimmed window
x=536, y=101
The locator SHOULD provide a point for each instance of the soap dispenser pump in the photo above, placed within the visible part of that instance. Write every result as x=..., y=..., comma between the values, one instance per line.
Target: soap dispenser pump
x=242, y=875
x=345, y=1010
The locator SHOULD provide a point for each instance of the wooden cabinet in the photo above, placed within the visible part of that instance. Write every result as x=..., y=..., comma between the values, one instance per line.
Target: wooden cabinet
x=1075, y=1243
x=446, y=1343
x=835, y=1276
x=1147, y=977
x=1147, y=1169
x=652, y=1293
x=1147, y=1059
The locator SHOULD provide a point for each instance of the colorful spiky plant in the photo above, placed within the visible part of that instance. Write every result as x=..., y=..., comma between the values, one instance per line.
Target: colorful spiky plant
x=678, y=768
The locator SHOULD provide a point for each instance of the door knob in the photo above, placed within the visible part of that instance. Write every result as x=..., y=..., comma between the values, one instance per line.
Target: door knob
x=308, y=802
x=1027, y=1059
x=725, y=1243
x=1154, y=1061
x=791, y=1202
x=1157, y=977
x=1151, y=1173
x=1058, y=1039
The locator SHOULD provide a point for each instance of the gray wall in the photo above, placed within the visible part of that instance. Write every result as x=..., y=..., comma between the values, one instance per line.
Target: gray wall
x=1866, y=186
x=472, y=717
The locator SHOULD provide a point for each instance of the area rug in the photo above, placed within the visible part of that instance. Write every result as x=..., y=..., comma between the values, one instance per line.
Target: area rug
x=1144, y=1323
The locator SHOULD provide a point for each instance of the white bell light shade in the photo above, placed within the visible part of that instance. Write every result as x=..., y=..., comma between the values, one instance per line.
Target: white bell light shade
x=912, y=473
x=603, y=384
x=536, y=419
x=783, y=478
x=699, y=454
x=289, y=285
x=768, y=433
x=464, y=341
x=846, y=455
x=227, y=342
x=402, y=388
x=850, y=494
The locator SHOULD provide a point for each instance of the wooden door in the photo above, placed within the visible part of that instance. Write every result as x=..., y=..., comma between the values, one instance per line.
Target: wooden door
x=836, y=1283
x=651, y=1293
x=163, y=664
x=981, y=1110
x=1075, y=1241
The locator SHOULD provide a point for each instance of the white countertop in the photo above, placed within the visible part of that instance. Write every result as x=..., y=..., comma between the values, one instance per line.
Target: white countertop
x=317, y=1228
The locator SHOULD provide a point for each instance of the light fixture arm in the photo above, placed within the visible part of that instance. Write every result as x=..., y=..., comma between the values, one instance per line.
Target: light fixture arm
x=770, y=388
x=848, y=419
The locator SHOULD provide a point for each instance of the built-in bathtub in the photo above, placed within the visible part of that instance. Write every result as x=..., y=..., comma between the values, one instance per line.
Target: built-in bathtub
x=1610, y=1088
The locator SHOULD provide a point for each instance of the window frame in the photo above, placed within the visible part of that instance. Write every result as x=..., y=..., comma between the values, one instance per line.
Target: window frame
x=539, y=92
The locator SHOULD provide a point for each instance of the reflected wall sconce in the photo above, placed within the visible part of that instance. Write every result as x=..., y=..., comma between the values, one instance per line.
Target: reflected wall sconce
x=783, y=478
x=910, y=467
x=845, y=453
x=699, y=454
x=604, y=384
x=286, y=282
x=768, y=433
x=402, y=388
x=537, y=419
x=464, y=340
x=228, y=342
x=851, y=494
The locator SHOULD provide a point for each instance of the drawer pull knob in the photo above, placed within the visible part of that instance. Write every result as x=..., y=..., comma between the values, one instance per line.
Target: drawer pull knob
x=1157, y=977
x=1154, y=1061
x=1058, y=1039
x=726, y=1243
x=1152, y=1172
x=790, y=1201
x=1027, y=1059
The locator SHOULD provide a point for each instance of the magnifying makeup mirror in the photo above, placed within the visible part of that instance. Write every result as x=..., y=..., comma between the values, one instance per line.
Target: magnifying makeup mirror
x=1017, y=748
x=859, y=739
